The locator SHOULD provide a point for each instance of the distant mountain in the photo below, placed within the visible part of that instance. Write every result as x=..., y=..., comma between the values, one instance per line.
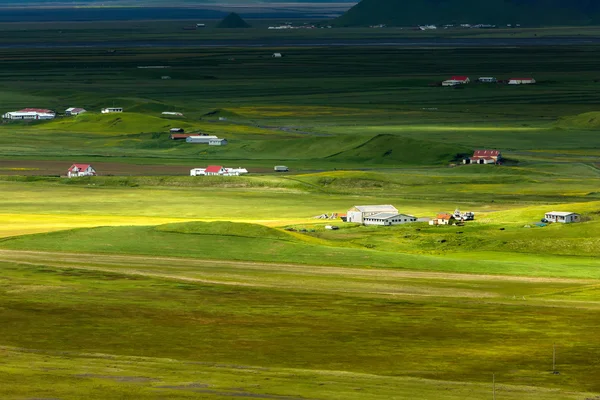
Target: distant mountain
x=233, y=20
x=498, y=12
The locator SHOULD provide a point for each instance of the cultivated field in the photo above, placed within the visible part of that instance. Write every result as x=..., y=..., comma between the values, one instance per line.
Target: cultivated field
x=145, y=283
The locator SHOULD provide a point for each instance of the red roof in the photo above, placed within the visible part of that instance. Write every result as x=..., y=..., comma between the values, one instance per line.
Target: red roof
x=486, y=153
x=460, y=78
x=80, y=167
x=213, y=168
x=181, y=135
x=445, y=216
x=39, y=110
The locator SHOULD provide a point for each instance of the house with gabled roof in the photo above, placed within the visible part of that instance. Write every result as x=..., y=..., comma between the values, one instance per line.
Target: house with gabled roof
x=484, y=157
x=389, y=218
x=443, y=219
x=78, y=170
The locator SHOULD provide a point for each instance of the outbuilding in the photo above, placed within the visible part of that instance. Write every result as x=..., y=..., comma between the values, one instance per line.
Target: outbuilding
x=358, y=214
x=484, y=157
x=281, y=168
x=176, y=130
x=74, y=111
x=110, y=110
x=488, y=79
x=78, y=170
x=277, y=55
x=521, y=81
x=217, y=142
x=562, y=217
x=389, y=218
x=200, y=139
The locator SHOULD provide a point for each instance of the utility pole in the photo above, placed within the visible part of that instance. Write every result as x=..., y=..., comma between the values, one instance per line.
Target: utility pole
x=494, y=386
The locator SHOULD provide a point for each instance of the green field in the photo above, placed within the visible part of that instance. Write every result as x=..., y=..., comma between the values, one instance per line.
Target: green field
x=146, y=283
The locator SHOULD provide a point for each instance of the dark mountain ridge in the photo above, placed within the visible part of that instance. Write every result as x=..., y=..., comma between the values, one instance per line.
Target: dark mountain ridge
x=498, y=12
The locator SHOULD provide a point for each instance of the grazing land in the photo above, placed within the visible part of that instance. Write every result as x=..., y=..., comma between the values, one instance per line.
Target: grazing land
x=145, y=283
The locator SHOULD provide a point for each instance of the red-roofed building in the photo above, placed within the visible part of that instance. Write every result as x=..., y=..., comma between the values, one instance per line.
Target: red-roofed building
x=77, y=170
x=461, y=79
x=484, y=157
x=443, y=219
x=30, y=113
x=214, y=170
x=180, y=136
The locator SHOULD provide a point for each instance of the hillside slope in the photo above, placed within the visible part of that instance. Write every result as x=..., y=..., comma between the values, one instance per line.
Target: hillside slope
x=527, y=12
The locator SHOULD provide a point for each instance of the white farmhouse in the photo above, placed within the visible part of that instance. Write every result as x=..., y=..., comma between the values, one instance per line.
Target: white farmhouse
x=359, y=213
x=30, y=114
x=562, y=217
x=389, y=218
x=77, y=170
x=217, y=142
x=74, y=111
x=217, y=170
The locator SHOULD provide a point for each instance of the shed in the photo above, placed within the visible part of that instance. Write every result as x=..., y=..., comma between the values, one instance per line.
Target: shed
x=562, y=217
x=200, y=139
x=217, y=142
x=277, y=55
x=281, y=168
x=488, y=79
x=521, y=81
x=74, y=111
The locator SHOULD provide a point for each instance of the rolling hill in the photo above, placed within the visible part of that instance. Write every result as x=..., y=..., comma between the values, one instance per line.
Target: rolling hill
x=526, y=12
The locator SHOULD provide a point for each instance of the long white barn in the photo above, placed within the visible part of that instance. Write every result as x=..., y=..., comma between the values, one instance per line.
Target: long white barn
x=30, y=114
x=359, y=213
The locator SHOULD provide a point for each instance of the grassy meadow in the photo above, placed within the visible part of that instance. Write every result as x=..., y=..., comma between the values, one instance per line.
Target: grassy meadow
x=145, y=283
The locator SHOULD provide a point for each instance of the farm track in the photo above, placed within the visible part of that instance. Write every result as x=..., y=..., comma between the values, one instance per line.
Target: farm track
x=305, y=278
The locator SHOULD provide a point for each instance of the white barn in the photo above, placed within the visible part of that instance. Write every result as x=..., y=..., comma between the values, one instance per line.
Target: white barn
x=30, y=114
x=562, y=217
x=359, y=213
x=200, y=139
x=521, y=81
x=389, y=218
x=217, y=142
x=74, y=111
x=77, y=170
x=109, y=110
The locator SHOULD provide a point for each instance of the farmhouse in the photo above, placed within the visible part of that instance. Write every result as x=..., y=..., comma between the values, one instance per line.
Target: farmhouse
x=461, y=79
x=217, y=142
x=30, y=114
x=484, y=157
x=488, y=79
x=387, y=219
x=277, y=55
x=443, y=219
x=562, y=217
x=521, y=81
x=80, y=170
x=217, y=170
x=358, y=214
x=109, y=110
x=200, y=139
x=74, y=111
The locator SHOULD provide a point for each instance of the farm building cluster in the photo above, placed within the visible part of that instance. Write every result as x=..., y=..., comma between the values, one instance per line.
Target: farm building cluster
x=77, y=170
x=484, y=157
x=385, y=215
x=217, y=170
x=30, y=114
x=464, y=80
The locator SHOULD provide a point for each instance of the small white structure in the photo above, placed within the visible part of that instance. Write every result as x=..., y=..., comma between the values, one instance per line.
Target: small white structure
x=217, y=142
x=77, y=170
x=173, y=113
x=109, y=110
x=200, y=139
x=359, y=213
x=562, y=217
x=281, y=168
x=30, y=114
x=176, y=130
x=387, y=219
x=217, y=170
x=74, y=111
x=521, y=81
x=451, y=82
x=488, y=79
x=277, y=55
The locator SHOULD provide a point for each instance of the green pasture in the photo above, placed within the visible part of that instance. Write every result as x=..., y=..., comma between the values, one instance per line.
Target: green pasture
x=150, y=285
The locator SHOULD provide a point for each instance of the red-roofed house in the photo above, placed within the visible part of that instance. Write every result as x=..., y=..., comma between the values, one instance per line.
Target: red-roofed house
x=443, y=219
x=214, y=170
x=461, y=79
x=484, y=157
x=30, y=113
x=81, y=170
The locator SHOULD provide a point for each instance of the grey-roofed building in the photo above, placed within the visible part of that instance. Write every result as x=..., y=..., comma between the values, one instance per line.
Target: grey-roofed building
x=388, y=218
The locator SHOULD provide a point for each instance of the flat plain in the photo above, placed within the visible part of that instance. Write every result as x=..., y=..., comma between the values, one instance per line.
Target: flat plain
x=145, y=283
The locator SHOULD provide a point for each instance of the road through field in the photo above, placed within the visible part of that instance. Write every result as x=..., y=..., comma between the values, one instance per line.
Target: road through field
x=310, y=278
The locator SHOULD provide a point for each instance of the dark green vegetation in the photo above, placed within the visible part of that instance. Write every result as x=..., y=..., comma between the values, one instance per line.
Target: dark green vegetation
x=154, y=287
x=421, y=12
x=232, y=21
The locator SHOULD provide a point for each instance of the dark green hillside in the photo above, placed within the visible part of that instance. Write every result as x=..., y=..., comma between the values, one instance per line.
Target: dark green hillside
x=527, y=12
x=233, y=20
